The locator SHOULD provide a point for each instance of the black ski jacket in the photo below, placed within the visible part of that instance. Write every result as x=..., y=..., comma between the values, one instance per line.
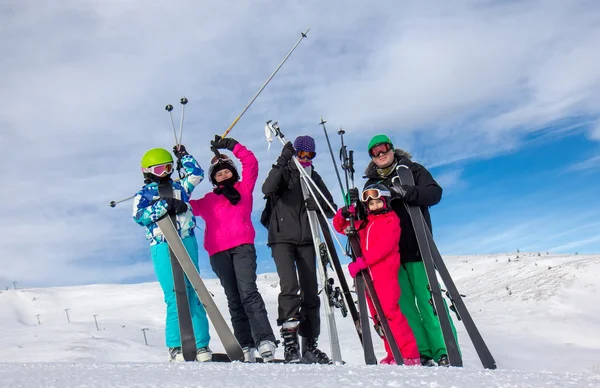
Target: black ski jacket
x=425, y=193
x=289, y=219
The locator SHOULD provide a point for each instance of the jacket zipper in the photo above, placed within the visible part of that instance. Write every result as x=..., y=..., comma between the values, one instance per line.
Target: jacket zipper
x=368, y=231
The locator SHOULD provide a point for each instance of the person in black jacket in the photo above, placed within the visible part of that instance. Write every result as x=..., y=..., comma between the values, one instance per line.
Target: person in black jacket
x=415, y=295
x=292, y=248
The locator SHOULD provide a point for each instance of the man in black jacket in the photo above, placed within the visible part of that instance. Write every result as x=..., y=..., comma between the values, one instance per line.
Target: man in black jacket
x=292, y=248
x=412, y=276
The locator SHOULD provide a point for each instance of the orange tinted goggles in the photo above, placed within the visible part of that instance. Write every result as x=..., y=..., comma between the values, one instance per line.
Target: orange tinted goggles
x=306, y=155
x=380, y=149
x=374, y=194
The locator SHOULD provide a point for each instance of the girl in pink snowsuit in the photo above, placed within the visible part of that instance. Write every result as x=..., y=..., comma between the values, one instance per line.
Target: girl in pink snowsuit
x=379, y=237
x=229, y=241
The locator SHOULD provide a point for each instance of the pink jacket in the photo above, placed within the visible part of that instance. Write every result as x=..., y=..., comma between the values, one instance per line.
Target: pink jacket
x=379, y=241
x=228, y=226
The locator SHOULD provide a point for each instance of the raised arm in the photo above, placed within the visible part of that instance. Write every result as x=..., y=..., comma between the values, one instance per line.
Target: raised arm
x=249, y=166
x=275, y=178
x=194, y=172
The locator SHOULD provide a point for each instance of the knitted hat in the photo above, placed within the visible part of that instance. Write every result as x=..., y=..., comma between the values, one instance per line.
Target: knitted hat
x=305, y=143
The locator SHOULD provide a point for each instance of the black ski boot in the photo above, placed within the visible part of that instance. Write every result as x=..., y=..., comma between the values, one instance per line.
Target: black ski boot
x=427, y=361
x=311, y=354
x=443, y=361
x=291, y=345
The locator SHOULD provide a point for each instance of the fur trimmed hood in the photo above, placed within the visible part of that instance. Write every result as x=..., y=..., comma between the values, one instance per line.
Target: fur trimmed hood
x=398, y=153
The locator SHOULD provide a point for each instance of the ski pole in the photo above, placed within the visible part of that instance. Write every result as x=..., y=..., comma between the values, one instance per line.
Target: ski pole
x=183, y=102
x=344, y=159
x=115, y=203
x=169, y=108
x=322, y=123
x=303, y=35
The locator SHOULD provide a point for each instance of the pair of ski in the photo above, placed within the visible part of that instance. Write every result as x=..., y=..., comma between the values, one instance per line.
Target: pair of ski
x=328, y=254
x=182, y=267
x=432, y=259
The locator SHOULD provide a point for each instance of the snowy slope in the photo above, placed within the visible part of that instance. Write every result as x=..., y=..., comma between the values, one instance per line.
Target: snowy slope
x=538, y=315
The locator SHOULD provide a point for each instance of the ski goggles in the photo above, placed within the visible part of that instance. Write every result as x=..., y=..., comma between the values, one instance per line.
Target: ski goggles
x=374, y=194
x=306, y=154
x=160, y=169
x=217, y=159
x=380, y=149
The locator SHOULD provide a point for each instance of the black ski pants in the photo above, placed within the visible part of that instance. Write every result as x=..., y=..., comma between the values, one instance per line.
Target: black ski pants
x=299, y=298
x=236, y=269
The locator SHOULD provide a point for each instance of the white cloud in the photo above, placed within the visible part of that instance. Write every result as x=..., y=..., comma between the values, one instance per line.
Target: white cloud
x=587, y=164
x=84, y=85
x=595, y=133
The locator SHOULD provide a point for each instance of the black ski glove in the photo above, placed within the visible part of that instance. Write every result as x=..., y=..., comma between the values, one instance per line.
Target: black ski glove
x=224, y=143
x=346, y=212
x=311, y=204
x=175, y=206
x=180, y=152
x=353, y=195
x=286, y=154
x=400, y=191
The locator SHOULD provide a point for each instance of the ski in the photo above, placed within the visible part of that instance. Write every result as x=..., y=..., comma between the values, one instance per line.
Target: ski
x=222, y=357
x=363, y=311
x=462, y=313
x=232, y=347
x=350, y=304
x=186, y=329
x=405, y=177
x=336, y=353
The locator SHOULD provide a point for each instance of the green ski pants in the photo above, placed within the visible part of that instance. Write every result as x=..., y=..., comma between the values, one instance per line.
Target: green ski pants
x=415, y=305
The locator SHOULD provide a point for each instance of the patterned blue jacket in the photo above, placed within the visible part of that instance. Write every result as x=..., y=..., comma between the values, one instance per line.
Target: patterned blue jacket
x=147, y=208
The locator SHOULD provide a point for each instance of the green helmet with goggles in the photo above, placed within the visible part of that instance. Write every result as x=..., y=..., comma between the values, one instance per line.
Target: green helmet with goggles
x=380, y=144
x=157, y=162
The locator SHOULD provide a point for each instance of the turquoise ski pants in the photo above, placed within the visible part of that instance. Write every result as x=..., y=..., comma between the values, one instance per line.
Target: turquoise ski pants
x=161, y=260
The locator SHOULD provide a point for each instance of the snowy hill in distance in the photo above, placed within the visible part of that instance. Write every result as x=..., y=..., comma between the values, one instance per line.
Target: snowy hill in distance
x=537, y=312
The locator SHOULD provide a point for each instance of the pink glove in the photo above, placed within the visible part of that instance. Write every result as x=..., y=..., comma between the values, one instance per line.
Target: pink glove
x=355, y=267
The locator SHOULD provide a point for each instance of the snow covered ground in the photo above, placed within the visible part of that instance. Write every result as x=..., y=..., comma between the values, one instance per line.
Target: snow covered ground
x=538, y=313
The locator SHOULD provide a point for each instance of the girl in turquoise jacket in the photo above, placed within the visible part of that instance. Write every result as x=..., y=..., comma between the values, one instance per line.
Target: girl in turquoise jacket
x=148, y=207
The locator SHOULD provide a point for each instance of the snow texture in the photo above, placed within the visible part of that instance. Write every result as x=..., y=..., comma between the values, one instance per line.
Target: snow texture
x=537, y=313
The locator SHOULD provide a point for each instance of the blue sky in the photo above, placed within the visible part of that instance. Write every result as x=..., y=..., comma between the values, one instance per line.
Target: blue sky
x=500, y=100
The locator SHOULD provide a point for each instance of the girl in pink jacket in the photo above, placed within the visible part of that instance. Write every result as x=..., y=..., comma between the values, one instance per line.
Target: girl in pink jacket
x=229, y=241
x=379, y=237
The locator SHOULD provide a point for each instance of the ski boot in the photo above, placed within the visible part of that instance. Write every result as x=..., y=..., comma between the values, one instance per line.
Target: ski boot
x=291, y=346
x=443, y=361
x=311, y=354
x=204, y=354
x=266, y=349
x=388, y=360
x=412, y=361
x=249, y=353
x=176, y=355
x=427, y=361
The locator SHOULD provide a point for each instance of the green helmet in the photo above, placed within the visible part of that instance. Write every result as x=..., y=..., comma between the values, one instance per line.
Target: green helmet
x=379, y=139
x=155, y=157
